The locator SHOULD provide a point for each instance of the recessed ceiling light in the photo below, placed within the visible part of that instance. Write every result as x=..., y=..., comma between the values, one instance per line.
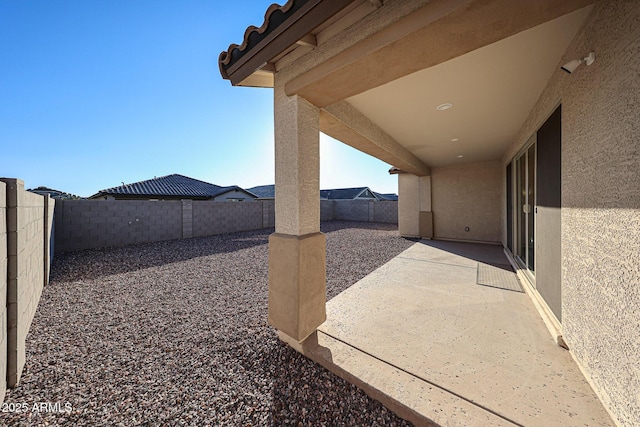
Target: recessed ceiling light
x=460, y=156
x=444, y=106
x=454, y=140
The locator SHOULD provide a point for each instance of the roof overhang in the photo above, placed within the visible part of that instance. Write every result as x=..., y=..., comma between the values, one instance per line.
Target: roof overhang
x=380, y=73
x=250, y=63
x=442, y=29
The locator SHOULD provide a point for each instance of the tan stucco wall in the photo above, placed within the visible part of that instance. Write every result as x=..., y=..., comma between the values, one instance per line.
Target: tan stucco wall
x=297, y=162
x=414, y=196
x=408, y=205
x=297, y=283
x=601, y=202
x=467, y=196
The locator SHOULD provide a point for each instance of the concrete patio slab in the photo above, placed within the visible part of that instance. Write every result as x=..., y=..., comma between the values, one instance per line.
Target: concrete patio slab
x=423, y=337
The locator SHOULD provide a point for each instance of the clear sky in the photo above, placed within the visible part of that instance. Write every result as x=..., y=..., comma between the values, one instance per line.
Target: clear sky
x=96, y=93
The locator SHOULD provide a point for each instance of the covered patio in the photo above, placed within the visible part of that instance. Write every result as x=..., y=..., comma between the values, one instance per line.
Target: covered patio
x=443, y=333
x=510, y=125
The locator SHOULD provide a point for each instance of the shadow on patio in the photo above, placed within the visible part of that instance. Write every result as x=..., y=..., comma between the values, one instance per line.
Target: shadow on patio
x=422, y=336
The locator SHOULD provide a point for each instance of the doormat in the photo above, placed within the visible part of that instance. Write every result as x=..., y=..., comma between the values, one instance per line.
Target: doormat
x=498, y=277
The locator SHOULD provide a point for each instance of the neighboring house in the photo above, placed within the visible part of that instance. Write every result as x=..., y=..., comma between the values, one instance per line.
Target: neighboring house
x=264, y=191
x=348, y=194
x=55, y=194
x=174, y=187
x=392, y=197
x=357, y=193
x=508, y=122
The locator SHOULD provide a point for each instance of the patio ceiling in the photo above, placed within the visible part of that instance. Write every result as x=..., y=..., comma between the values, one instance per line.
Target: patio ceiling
x=378, y=88
x=492, y=90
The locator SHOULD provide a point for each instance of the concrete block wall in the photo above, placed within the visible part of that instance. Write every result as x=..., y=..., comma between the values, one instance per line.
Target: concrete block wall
x=25, y=289
x=347, y=210
x=187, y=219
x=87, y=224
x=268, y=213
x=27, y=252
x=212, y=217
x=385, y=212
x=326, y=210
x=351, y=210
x=359, y=210
x=90, y=224
x=3, y=290
x=48, y=237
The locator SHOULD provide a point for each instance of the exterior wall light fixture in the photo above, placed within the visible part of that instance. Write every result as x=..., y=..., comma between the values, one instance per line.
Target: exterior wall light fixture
x=571, y=66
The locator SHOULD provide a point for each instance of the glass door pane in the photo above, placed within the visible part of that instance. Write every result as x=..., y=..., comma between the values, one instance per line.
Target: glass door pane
x=521, y=186
x=531, y=193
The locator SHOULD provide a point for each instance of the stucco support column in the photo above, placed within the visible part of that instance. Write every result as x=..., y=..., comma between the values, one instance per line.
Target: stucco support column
x=297, y=273
x=415, y=218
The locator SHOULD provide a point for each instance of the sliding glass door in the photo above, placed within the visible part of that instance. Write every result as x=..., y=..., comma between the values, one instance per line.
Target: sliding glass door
x=534, y=211
x=525, y=207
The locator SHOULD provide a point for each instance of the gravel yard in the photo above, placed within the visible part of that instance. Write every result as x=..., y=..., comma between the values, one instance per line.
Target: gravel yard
x=175, y=333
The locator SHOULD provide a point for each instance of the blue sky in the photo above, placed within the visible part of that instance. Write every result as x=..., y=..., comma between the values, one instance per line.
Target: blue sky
x=96, y=93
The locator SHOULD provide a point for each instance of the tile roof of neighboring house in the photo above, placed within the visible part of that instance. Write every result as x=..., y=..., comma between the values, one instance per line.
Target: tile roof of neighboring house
x=264, y=191
x=169, y=186
x=269, y=192
x=55, y=194
x=344, y=193
x=387, y=196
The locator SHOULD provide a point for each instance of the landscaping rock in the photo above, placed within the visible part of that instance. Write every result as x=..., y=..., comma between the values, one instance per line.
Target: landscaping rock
x=176, y=333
